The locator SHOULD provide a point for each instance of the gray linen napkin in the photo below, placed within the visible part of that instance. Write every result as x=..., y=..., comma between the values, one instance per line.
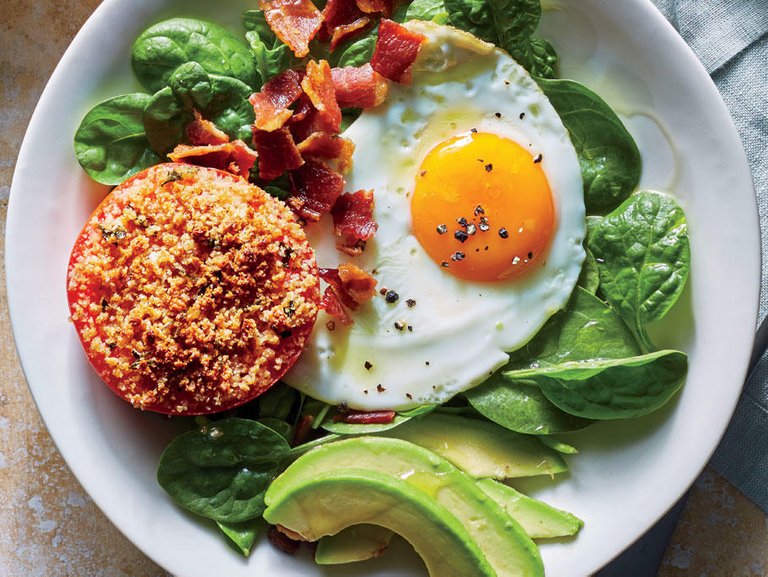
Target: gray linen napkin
x=730, y=37
x=731, y=40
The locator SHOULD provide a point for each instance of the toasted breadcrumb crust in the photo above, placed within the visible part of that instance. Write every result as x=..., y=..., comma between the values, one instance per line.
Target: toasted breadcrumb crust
x=192, y=290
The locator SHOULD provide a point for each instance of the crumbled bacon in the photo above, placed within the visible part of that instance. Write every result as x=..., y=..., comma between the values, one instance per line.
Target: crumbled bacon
x=337, y=14
x=331, y=304
x=396, y=51
x=383, y=7
x=332, y=147
x=295, y=22
x=318, y=86
x=353, y=221
x=270, y=105
x=315, y=188
x=306, y=120
x=352, y=285
x=235, y=157
x=277, y=153
x=366, y=418
x=201, y=132
x=359, y=86
x=344, y=31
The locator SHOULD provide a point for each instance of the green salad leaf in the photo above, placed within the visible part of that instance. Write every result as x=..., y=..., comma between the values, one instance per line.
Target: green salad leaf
x=609, y=158
x=611, y=388
x=270, y=54
x=589, y=279
x=357, y=51
x=111, y=144
x=643, y=256
x=220, y=99
x=430, y=10
x=165, y=46
x=243, y=535
x=221, y=470
x=537, y=56
x=504, y=23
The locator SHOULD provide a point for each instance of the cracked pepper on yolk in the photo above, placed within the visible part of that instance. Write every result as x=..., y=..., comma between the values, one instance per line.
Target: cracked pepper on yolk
x=482, y=207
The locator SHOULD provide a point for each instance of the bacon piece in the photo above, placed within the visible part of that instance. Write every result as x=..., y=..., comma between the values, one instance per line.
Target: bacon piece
x=330, y=147
x=339, y=13
x=318, y=86
x=352, y=285
x=383, y=7
x=343, y=31
x=359, y=86
x=353, y=221
x=277, y=152
x=270, y=105
x=295, y=22
x=396, y=51
x=331, y=304
x=315, y=188
x=201, y=132
x=235, y=157
x=366, y=418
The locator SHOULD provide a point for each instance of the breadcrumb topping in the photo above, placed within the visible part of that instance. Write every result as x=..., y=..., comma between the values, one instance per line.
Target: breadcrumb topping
x=192, y=290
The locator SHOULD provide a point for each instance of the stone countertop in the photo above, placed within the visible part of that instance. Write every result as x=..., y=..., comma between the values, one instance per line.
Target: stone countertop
x=51, y=528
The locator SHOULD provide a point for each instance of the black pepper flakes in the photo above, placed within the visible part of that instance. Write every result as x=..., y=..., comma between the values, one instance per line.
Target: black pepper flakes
x=409, y=395
x=426, y=363
x=473, y=130
x=286, y=334
x=530, y=255
x=522, y=115
x=488, y=167
x=444, y=264
x=368, y=365
x=471, y=229
x=399, y=325
x=411, y=303
x=503, y=233
x=330, y=325
x=497, y=114
x=458, y=255
x=442, y=229
x=462, y=221
x=538, y=159
x=410, y=328
x=391, y=297
x=479, y=210
x=460, y=235
x=423, y=173
x=380, y=389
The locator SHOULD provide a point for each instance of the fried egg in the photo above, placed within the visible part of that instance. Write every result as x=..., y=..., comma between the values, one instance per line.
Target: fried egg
x=478, y=197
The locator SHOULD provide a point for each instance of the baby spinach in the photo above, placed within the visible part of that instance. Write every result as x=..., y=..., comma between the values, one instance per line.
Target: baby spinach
x=243, y=535
x=643, y=256
x=220, y=99
x=431, y=10
x=609, y=158
x=589, y=279
x=270, y=54
x=357, y=51
x=537, y=56
x=221, y=470
x=611, y=388
x=521, y=407
x=164, y=46
x=110, y=143
x=587, y=329
x=504, y=23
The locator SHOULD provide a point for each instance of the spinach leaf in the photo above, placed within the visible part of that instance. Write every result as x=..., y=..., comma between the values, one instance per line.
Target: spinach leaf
x=504, y=23
x=242, y=535
x=164, y=46
x=611, y=388
x=284, y=428
x=643, y=256
x=278, y=402
x=609, y=158
x=587, y=329
x=270, y=54
x=357, y=51
x=589, y=279
x=110, y=143
x=537, y=56
x=432, y=10
x=222, y=469
x=521, y=407
x=220, y=99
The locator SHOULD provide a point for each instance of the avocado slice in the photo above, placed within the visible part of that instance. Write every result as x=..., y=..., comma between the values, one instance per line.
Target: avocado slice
x=313, y=506
x=356, y=543
x=540, y=521
x=481, y=448
x=509, y=550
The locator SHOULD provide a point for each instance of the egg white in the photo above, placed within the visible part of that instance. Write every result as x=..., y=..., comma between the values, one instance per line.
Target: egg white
x=458, y=332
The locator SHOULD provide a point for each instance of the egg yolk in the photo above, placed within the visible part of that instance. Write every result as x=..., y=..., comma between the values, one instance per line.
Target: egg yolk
x=482, y=207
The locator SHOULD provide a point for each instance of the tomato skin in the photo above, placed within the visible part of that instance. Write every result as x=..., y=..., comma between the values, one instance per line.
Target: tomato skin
x=192, y=372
